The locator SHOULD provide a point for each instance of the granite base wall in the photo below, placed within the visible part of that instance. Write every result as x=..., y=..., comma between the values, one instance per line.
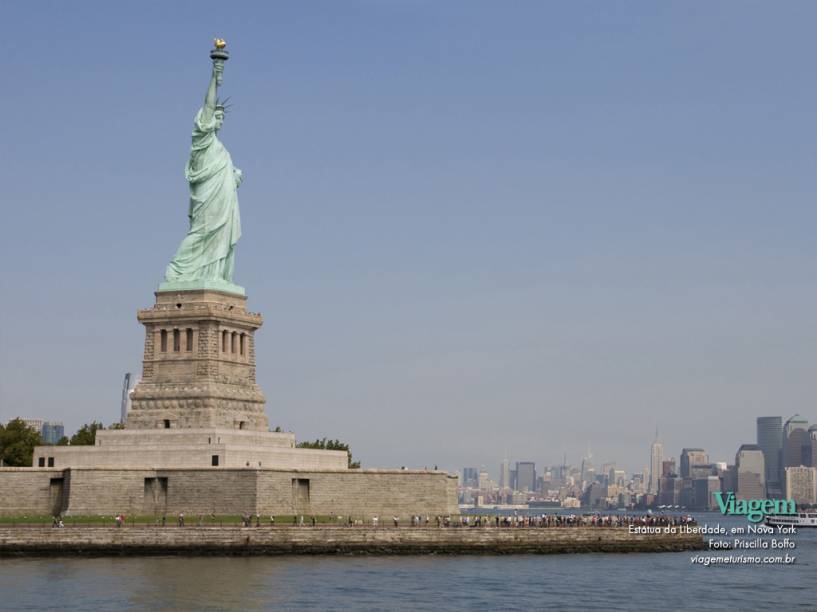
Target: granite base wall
x=362, y=493
x=228, y=491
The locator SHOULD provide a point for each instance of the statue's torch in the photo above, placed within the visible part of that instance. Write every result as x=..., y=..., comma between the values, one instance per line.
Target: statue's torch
x=219, y=55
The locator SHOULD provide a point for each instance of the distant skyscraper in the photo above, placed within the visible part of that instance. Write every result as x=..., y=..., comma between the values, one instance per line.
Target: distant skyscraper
x=691, y=457
x=52, y=432
x=587, y=473
x=656, y=460
x=605, y=471
x=525, y=476
x=751, y=472
x=729, y=479
x=505, y=474
x=703, y=493
x=670, y=490
x=470, y=477
x=594, y=495
x=770, y=441
x=483, y=480
x=35, y=424
x=797, y=443
x=812, y=432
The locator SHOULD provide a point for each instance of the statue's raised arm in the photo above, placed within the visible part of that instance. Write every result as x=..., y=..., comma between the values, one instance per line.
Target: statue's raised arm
x=219, y=56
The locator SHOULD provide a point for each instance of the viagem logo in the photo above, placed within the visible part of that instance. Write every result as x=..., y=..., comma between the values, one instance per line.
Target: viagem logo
x=754, y=509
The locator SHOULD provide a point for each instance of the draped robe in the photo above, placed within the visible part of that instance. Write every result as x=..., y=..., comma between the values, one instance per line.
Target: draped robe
x=207, y=251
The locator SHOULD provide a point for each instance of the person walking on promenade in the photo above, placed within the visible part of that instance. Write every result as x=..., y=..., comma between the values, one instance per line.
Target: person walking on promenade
x=181, y=519
x=271, y=521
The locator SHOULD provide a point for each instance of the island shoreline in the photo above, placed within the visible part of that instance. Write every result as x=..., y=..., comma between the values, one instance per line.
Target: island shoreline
x=326, y=540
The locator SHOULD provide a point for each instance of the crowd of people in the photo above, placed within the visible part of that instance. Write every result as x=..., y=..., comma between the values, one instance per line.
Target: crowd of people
x=582, y=520
x=501, y=521
x=555, y=520
x=507, y=521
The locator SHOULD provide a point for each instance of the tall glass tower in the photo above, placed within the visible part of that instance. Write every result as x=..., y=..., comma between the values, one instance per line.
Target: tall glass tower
x=770, y=441
x=797, y=444
x=656, y=468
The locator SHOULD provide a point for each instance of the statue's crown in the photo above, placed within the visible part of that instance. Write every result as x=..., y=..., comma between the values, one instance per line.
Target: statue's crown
x=221, y=105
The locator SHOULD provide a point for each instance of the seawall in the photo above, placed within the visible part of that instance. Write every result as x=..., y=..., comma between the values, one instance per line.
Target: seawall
x=226, y=491
x=47, y=541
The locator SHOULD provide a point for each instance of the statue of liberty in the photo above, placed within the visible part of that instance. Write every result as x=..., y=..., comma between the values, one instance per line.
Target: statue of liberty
x=206, y=257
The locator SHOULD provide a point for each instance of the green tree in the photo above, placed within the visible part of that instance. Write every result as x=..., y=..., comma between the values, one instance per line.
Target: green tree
x=63, y=441
x=17, y=442
x=86, y=436
x=326, y=444
x=116, y=426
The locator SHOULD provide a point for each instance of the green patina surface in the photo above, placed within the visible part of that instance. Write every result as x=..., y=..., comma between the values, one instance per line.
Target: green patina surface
x=206, y=257
x=214, y=284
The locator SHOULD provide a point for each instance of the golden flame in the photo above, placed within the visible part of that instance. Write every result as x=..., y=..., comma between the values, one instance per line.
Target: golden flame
x=220, y=43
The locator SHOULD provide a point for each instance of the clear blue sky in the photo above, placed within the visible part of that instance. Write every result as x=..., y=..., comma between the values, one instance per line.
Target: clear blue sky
x=471, y=226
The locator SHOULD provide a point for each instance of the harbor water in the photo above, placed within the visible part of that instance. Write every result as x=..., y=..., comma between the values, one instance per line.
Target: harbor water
x=667, y=581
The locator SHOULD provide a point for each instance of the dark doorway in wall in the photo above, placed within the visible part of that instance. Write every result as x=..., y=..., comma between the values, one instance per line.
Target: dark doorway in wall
x=55, y=495
x=300, y=495
x=155, y=500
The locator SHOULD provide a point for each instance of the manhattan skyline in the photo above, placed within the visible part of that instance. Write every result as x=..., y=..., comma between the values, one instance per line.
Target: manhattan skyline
x=489, y=229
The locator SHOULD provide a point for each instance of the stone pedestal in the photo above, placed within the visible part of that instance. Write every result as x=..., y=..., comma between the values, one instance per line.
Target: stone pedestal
x=197, y=404
x=199, y=364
